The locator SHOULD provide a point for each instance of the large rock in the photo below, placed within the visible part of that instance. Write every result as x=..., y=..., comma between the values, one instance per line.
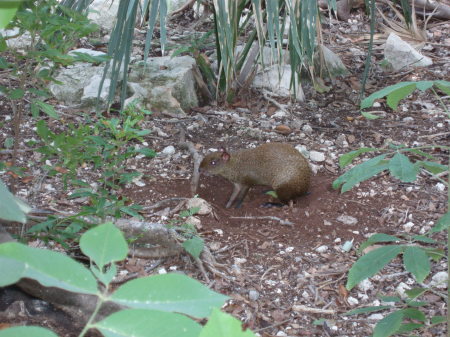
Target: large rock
x=402, y=55
x=166, y=84
x=80, y=83
x=104, y=13
x=269, y=79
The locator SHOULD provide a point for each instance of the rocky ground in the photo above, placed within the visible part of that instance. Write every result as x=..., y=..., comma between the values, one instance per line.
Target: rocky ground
x=285, y=267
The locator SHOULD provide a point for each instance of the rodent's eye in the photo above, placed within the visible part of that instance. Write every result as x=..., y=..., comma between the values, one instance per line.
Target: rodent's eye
x=213, y=162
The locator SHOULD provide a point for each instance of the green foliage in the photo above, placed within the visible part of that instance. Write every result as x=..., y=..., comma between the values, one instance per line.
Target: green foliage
x=34, y=331
x=399, y=91
x=193, y=244
x=159, y=305
x=415, y=250
x=11, y=208
x=105, y=145
x=7, y=11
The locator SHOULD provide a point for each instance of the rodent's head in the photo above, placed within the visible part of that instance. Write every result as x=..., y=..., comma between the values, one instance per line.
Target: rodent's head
x=215, y=163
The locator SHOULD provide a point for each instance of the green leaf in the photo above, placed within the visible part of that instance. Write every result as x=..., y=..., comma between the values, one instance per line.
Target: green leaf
x=442, y=224
x=169, y=292
x=436, y=254
x=369, y=116
x=415, y=292
x=7, y=11
x=438, y=319
x=144, y=323
x=394, y=299
x=402, y=168
x=423, y=238
x=48, y=109
x=12, y=208
x=378, y=237
x=408, y=327
x=395, y=96
x=361, y=172
x=9, y=142
x=416, y=262
x=104, y=244
x=368, y=102
x=414, y=313
x=433, y=167
x=371, y=263
x=347, y=158
x=16, y=94
x=194, y=246
x=367, y=310
x=444, y=86
x=49, y=268
x=34, y=331
x=147, y=152
x=224, y=325
x=388, y=325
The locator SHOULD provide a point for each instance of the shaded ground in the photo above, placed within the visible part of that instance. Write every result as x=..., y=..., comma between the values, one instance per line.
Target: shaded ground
x=274, y=269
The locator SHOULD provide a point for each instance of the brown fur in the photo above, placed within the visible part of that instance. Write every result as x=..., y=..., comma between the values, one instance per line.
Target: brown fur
x=273, y=164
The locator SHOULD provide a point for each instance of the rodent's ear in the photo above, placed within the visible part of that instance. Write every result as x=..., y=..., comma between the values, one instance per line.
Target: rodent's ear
x=222, y=149
x=225, y=156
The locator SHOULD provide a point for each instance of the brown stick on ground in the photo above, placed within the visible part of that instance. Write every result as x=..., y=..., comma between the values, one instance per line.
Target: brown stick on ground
x=186, y=145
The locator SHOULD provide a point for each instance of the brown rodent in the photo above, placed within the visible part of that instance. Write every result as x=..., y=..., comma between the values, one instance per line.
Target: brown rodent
x=274, y=164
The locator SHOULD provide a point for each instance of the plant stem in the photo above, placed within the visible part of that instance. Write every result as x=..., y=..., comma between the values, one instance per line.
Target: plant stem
x=93, y=316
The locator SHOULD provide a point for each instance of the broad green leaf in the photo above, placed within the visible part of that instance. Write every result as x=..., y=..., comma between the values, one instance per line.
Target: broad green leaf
x=367, y=310
x=424, y=85
x=423, y=238
x=169, y=292
x=414, y=313
x=361, y=172
x=375, y=238
x=104, y=244
x=7, y=11
x=415, y=292
x=394, y=97
x=368, y=102
x=438, y=319
x=388, y=325
x=16, y=94
x=442, y=224
x=371, y=263
x=224, y=325
x=347, y=158
x=194, y=246
x=402, y=168
x=417, y=303
x=436, y=254
x=11, y=208
x=433, y=167
x=444, y=86
x=48, y=109
x=144, y=323
x=408, y=327
x=416, y=262
x=23, y=331
x=51, y=269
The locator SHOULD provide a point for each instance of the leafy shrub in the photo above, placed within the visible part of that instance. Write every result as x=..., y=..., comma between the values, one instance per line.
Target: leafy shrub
x=159, y=305
x=416, y=250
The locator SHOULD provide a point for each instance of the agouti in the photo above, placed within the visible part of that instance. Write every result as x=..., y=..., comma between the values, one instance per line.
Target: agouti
x=274, y=164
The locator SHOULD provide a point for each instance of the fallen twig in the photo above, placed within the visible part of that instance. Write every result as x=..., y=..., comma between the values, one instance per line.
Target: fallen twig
x=281, y=221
